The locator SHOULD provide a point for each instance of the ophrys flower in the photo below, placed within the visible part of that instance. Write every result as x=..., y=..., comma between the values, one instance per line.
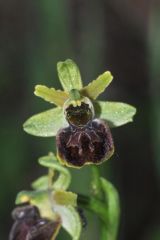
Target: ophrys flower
x=80, y=122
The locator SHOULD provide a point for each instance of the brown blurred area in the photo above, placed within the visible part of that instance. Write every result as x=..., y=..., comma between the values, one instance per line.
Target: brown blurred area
x=120, y=36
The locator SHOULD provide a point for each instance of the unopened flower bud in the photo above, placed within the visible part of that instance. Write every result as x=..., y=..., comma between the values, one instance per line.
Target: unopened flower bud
x=29, y=225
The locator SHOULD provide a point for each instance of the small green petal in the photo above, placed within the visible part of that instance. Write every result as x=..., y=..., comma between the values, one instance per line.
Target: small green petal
x=51, y=95
x=115, y=113
x=113, y=209
x=71, y=221
x=69, y=75
x=65, y=198
x=96, y=87
x=46, y=124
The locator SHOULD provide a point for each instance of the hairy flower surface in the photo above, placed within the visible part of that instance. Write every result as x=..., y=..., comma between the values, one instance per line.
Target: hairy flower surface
x=89, y=144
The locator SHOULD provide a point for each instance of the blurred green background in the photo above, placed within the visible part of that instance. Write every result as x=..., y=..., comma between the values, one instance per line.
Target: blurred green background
x=120, y=36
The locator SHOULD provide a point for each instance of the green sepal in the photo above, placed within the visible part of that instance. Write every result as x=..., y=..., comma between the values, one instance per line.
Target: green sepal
x=96, y=87
x=69, y=75
x=64, y=178
x=71, y=221
x=113, y=209
x=51, y=95
x=115, y=113
x=46, y=124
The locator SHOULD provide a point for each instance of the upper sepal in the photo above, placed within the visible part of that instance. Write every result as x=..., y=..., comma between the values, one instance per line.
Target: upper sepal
x=69, y=75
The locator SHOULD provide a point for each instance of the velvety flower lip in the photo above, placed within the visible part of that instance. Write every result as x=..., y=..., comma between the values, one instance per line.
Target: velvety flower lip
x=29, y=225
x=90, y=144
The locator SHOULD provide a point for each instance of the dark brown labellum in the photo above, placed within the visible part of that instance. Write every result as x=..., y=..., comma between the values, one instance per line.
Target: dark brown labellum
x=90, y=144
x=29, y=225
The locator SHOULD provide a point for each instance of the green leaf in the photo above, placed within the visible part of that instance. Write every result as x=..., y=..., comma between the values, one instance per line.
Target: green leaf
x=113, y=209
x=96, y=87
x=64, y=178
x=69, y=75
x=71, y=221
x=115, y=113
x=51, y=95
x=46, y=124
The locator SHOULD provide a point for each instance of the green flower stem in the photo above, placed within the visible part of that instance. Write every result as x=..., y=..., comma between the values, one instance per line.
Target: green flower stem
x=104, y=202
x=96, y=185
x=104, y=233
x=98, y=193
x=107, y=234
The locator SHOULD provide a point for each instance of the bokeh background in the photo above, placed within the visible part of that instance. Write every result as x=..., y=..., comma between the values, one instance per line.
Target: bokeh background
x=120, y=36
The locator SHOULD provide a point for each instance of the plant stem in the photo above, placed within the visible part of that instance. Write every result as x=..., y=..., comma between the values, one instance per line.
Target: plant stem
x=104, y=233
x=104, y=202
x=96, y=183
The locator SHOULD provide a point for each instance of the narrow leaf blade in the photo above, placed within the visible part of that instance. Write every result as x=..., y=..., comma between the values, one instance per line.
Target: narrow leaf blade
x=46, y=124
x=115, y=113
x=113, y=209
x=69, y=75
x=96, y=87
x=51, y=95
